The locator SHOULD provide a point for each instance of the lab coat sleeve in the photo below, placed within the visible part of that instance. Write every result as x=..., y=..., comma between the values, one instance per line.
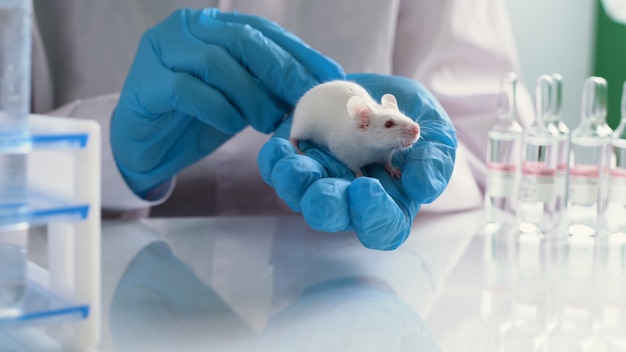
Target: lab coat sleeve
x=117, y=197
x=460, y=50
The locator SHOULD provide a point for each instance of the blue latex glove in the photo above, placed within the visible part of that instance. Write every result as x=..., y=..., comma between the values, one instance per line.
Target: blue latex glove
x=378, y=208
x=198, y=78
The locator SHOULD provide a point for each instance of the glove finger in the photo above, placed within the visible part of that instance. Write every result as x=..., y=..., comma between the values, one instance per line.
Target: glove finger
x=271, y=152
x=217, y=68
x=378, y=220
x=325, y=205
x=292, y=177
x=322, y=67
x=267, y=61
x=187, y=94
x=427, y=170
x=430, y=161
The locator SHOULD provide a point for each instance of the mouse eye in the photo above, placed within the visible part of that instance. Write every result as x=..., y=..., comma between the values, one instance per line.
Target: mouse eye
x=389, y=124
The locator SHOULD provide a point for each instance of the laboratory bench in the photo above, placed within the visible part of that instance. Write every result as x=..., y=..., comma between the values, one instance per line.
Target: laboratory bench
x=269, y=284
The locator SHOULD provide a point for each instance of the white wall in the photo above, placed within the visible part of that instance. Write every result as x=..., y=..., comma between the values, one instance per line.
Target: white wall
x=555, y=36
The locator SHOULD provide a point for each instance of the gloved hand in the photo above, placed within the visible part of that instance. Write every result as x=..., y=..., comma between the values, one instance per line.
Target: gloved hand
x=198, y=78
x=378, y=208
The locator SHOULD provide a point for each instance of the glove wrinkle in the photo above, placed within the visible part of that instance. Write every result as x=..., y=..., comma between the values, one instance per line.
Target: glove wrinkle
x=383, y=225
x=325, y=205
x=293, y=175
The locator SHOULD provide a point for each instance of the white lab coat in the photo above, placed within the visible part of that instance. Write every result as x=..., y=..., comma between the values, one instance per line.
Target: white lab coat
x=459, y=49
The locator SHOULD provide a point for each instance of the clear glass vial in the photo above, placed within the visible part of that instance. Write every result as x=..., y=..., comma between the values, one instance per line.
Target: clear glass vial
x=588, y=160
x=555, y=123
x=503, y=155
x=536, y=205
x=615, y=215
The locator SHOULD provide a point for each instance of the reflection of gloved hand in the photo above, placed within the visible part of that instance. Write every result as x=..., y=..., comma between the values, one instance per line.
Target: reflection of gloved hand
x=380, y=209
x=198, y=78
x=331, y=317
x=159, y=287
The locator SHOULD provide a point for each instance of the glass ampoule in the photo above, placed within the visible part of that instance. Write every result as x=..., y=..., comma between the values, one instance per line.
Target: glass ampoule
x=503, y=156
x=587, y=162
x=536, y=204
x=615, y=214
x=554, y=120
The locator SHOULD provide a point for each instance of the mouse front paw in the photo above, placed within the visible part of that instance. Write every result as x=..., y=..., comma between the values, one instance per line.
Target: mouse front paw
x=393, y=171
x=358, y=173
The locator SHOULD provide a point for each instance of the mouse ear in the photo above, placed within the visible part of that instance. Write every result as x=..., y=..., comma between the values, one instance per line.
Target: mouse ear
x=359, y=111
x=388, y=100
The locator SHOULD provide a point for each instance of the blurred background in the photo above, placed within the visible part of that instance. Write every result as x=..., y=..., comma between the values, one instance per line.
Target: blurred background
x=576, y=39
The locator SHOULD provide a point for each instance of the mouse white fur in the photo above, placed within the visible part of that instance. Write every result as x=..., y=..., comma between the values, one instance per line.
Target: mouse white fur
x=343, y=117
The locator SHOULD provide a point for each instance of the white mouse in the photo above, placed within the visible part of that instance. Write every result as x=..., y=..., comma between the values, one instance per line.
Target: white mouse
x=343, y=117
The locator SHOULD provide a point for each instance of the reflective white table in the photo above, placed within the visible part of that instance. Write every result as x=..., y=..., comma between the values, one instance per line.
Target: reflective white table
x=272, y=284
x=525, y=293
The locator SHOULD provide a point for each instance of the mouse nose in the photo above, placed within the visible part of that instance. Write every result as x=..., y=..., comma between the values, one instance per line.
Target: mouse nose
x=415, y=130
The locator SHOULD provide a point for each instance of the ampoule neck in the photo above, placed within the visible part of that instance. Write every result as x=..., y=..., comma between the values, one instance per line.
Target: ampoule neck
x=507, y=123
x=544, y=109
x=558, y=124
x=592, y=127
x=553, y=119
x=620, y=131
x=594, y=109
x=507, y=106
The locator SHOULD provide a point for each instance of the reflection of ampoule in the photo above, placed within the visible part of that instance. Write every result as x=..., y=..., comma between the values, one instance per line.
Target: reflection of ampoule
x=529, y=324
x=496, y=294
x=576, y=320
x=615, y=215
x=503, y=153
x=562, y=143
x=530, y=291
x=536, y=205
x=614, y=290
x=588, y=153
